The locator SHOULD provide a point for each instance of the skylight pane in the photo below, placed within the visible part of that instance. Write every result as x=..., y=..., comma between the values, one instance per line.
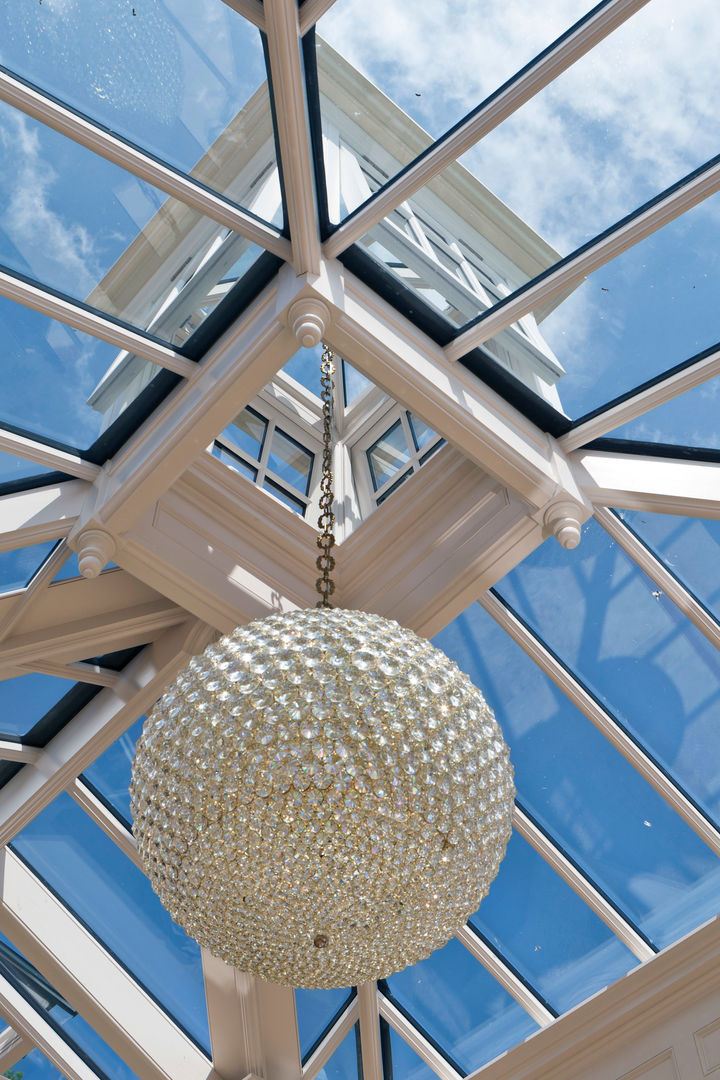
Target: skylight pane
x=404, y=1062
x=186, y=82
x=25, y=699
x=14, y=469
x=461, y=1006
x=690, y=419
x=34, y=1066
x=388, y=455
x=110, y=773
x=354, y=383
x=689, y=547
x=632, y=647
x=584, y=792
x=556, y=942
x=114, y=899
x=304, y=367
x=316, y=1010
x=58, y=395
x=290, y=461
x=344, y=1063
x=18, y=566
x=247, y=432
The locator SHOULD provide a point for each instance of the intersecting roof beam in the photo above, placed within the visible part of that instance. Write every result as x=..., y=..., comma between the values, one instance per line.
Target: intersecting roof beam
x=13, y=1048
x=68, y=311
x=369, y=1017
x=603, y=721
x=659, y=484
x=40, y=514
x=107, y=821
x=131, y=158
x=656, y=570
x=416, y=1040
x=570, y=271
x=17, y=751
x=311, y=12
x=92, y=674
x=524, y=85
x=35, y=588
x=637, y=403
x=342, y=1027
x=283, y=35
x=510, y=982
x=252, y=10
x=92, y=980
x=41, y=454
x=96, y=726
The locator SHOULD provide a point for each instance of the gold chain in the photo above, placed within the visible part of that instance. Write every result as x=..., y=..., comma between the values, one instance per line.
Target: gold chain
x=325, y=562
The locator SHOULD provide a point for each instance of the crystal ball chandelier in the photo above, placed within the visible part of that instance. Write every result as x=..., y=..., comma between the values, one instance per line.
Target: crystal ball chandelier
x=323, y=797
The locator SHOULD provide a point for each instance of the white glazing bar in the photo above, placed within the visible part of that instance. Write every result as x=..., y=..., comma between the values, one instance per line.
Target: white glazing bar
x=82, y=130
x=320, y=1057
x=546, y=67
x=581, y=885
x=570, y=272
x=418, y=1042
x=642, y=402
x=507, y=978
x=93, y=674
x=93, y=323
x=372, y=1064
x=311, y=12
x=33, y=450
x=103, y=817
x=659, y=573
x=283, y=34
x=13, y=1048
x=602, y=720
x=37, y=585
x=252, y=10
x=16, y=751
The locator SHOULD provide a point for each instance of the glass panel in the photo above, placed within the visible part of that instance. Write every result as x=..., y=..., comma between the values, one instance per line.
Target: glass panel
x=354, y=383
x=290, y=461
x=14, y=468
x=183, y=82
x=387, y=455
x=234, y=462
x=405, y=1063
x=285, y=497
x=345, y=1064
x=422, y=433
x=247, y=431
x=690, y=419
x=689, y=547
x=110, y=773
x=33, y=1067
x=461, y=1006
x=50, y=378
x=27, y=698
x=114, y=898
x=17, y=567
x=632, y=647
x=70, y=569
x=584, y=792
x=644, y=312
x=304, y=367
x=316, y=1009
x=393, y=487
x=557, y=942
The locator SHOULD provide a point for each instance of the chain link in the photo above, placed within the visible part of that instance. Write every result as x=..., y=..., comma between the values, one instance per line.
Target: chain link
x=325, y=561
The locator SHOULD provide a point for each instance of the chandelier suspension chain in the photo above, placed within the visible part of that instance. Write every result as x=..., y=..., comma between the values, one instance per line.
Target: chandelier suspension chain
x=325, y=561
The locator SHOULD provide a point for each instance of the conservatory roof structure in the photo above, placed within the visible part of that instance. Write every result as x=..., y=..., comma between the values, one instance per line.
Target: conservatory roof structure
x=503, y=228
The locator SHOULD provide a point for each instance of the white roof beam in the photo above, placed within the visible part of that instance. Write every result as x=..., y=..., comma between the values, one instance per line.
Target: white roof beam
x=528, y=82
x=252, y=10
x=17, y=751
x=92, y=322
x=131, y=158
x=658, y=484
x=41, y=454
x=656, y=570
x=93, y=981
x=570, y=271
x=13, y=1048
x=283, y=35
x=603, y=721
x=107, y=821
x=35, y=588
x=643, y=401
x=92, y=674
x=40, y=514
x=96, y=726
x=342, y=1027
x=369, y=1017
x=509, y=981
x=418, y=1042
x=311, y=12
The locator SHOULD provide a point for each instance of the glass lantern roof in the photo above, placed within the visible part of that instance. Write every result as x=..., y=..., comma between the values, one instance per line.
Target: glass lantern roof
x=505, y=228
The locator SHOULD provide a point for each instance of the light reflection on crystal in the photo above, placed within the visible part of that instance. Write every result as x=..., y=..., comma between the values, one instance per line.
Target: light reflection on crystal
x=322, y=775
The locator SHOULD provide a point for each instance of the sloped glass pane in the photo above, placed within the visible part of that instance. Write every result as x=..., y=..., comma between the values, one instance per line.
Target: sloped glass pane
x=423, y=434
x=34, y=1066
x=387, y=455
x=625, y=640
x=690, y=419
x=296, y=505
x=584, y=792
x=315, y=1011
x=14, y=468
x=344, y=1064
x=187, y=83
x=234, y=462
x=354, y=383
x=247, y=431
x=461, y=1006
x=689, y=547
x=110, y=773
x=290, y=461
x=556, y=942
x=20, y=564
x=114, y=898
x=304, y=367
x=27, y=698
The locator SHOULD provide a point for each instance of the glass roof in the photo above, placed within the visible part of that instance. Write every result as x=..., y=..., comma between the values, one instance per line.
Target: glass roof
x=185, y=189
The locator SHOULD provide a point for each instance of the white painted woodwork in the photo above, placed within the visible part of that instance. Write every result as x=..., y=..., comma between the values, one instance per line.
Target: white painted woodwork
x=661, y=485
x=17, y=751
x=39, y=582
x=102, y=817
x=319, y=1058
x=418, y=1042
x=659, y=1022
x=311, y=11
x=507, y=979
x=94, y=983
x=40, y=514
x=603, y=721
x=41, y=454
x=537, y=75
x=13, y=1048
x=370, y=1031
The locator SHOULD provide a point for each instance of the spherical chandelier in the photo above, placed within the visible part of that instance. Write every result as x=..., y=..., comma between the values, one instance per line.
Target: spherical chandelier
x=323, y=797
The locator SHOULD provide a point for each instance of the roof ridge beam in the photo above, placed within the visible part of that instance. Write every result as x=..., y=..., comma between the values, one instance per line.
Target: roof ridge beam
x=520, y=88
